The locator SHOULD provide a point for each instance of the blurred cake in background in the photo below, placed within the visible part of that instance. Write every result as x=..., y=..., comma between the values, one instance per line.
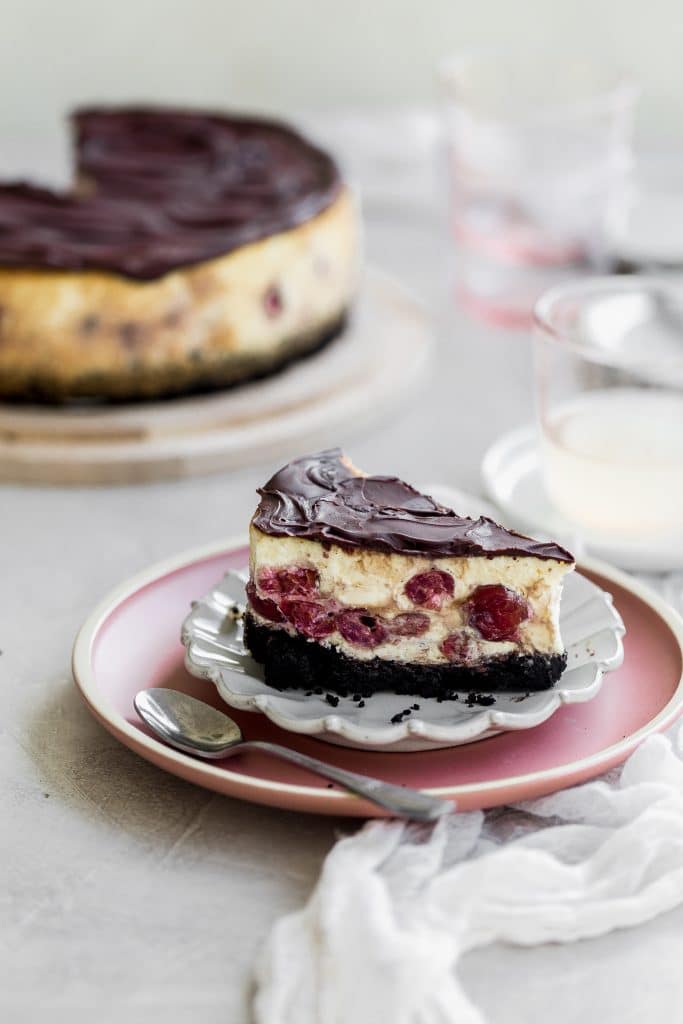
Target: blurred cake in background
x=196, y=251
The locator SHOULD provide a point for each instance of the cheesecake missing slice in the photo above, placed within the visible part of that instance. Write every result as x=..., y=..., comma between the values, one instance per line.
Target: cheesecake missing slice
x=361, y=583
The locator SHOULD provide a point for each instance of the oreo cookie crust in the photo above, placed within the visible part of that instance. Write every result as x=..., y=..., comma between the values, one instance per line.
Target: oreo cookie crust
x=295, y=663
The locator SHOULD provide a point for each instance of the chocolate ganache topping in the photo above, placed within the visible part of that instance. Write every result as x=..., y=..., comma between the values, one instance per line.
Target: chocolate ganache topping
x=320, y=497
x=160, y=189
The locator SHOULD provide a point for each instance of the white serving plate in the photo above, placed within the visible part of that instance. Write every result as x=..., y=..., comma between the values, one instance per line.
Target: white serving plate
x=591, y=627
x=369, y=370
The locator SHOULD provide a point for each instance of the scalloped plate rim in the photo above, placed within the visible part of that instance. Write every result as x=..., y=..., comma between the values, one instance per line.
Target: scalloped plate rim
x=483, y=723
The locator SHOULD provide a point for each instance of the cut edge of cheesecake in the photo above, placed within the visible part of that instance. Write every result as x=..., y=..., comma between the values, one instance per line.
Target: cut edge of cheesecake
x=362, y=583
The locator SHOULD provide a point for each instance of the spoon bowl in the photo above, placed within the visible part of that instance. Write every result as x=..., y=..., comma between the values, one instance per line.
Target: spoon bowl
x=187, y=723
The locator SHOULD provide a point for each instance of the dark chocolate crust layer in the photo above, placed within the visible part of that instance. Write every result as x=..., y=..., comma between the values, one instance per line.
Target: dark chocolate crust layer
x=321, y=497
x=160, y=189
x=213, y=372
x=292, y=662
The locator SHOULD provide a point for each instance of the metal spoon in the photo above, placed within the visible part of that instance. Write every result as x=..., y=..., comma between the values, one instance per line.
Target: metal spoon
x=197, y=728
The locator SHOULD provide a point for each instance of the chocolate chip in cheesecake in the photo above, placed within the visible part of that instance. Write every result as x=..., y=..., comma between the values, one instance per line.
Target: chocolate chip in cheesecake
x=173, y=318
x=89, y=324
x=131, y=333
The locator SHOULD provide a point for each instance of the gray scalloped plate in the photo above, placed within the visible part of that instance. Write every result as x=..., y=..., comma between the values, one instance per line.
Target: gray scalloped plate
x=214, y=649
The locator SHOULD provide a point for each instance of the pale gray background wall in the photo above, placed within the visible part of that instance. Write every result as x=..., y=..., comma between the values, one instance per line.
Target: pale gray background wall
x=292, y=54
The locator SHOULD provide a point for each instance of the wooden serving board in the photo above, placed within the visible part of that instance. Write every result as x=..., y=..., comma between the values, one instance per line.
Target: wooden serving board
x=354, y=381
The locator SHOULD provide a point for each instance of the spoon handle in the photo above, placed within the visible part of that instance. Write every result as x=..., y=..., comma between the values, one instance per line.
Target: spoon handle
x=401, y=801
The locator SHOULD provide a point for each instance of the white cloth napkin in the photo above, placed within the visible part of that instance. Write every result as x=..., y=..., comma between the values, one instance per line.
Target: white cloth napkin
x=397, y=905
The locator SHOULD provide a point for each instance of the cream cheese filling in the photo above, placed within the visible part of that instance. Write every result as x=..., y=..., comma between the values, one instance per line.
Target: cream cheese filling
x=374, y=580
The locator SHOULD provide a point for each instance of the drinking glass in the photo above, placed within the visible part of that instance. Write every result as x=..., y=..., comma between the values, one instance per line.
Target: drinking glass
x=539, y=152
x=645, y=234
x=609, y=389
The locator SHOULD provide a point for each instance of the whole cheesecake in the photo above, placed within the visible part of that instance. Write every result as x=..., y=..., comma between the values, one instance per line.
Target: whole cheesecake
x=195, y=251
x=361, y=584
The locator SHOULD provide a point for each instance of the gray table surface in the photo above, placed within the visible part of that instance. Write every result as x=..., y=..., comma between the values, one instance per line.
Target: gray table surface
x=130, y=895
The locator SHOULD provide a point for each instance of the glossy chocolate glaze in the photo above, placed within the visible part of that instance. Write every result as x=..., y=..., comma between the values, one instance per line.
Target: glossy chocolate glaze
x=319, y=497
x=161, y=189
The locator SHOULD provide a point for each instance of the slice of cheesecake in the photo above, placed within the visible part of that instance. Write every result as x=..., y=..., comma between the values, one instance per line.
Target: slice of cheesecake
x=361, y=583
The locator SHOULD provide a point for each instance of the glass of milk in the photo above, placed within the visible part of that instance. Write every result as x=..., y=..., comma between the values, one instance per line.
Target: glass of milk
x=609, y=389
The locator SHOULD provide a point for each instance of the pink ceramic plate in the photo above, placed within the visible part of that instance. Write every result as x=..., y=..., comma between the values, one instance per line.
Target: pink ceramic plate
x=132, y=641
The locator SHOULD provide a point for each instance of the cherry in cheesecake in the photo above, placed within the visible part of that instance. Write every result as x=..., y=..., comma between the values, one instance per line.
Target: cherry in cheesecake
x=291, y=581
x=272, y=302
x=308, y=617
x=409, y=624
x=263, y=606
x=496, y=611
x=457, y=647
x=360, y=627
x=430, y=589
